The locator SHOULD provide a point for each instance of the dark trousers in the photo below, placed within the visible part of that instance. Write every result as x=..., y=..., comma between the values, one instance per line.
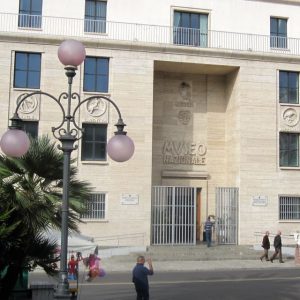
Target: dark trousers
x=265, y=255
x=277, y=252
x=208, y=238
x=141, y=293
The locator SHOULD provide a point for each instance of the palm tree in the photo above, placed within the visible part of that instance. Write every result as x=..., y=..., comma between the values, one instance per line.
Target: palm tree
x=31, y=193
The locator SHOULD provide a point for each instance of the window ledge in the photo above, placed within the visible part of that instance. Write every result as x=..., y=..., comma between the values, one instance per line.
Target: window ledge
x=94, y=162
x=96, y=33
x=289, y=168
x=31, y=28
x=289, y=221
x=95, y=220
x=280, y=49
x=27, y=89
x=97, y=93
x=290, y=104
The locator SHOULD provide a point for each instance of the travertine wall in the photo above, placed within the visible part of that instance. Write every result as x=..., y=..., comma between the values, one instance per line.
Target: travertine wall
x=225, y=105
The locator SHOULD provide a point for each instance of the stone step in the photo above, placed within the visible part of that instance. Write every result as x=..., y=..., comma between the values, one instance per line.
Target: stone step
x=190, y=253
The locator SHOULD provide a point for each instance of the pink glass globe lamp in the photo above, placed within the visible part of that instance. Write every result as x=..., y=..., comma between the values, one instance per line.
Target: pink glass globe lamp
x=14, y=142
x=120, y=147
x=71, y=53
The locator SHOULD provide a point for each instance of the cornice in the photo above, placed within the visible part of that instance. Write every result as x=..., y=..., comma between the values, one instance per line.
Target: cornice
x=287, y=2
x=152, y=48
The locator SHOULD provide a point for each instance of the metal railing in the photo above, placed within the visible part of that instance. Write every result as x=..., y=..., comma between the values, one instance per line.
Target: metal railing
x=121, y=240
x=288, y=239
x=153, y=34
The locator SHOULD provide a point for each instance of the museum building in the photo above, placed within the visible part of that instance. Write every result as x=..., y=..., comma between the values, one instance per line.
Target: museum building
x=209, y=91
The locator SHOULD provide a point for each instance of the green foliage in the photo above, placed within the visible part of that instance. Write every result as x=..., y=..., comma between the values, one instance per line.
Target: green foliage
x=31, y=193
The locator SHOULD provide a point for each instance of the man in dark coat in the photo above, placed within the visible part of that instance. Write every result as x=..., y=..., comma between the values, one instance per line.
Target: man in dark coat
x=266, y=245
x=277, y=246
x=140, y=278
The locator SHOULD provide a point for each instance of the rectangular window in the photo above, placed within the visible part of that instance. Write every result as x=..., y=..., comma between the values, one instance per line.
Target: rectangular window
x=95, y=16
x=31, y=128
x=278, y=33
x=289, y=208
x=289, y=87
x=95, y=207
x=27, y=70
x=96, y=74
x=30, y=13
x=190, y=28
x=289, y=149
x=94, y=142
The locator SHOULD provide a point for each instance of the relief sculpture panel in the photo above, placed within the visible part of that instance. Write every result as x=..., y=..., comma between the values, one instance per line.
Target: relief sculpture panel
x=29, y=107
x=289, y=117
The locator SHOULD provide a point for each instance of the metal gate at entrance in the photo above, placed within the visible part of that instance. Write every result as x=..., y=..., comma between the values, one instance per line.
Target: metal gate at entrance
x=227, y=215
x=173, y=215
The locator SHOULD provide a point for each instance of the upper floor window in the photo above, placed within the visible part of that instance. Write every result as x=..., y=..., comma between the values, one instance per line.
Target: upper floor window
x=95, y=16
x=190, y=28
x=30, y=13
x=289, y=87
x=94, y=142
x=289, y=208
x=31, y=128
x=27, y=70
x=96, y=74
x=95, y=207
x=289, y=149
x=278, y=33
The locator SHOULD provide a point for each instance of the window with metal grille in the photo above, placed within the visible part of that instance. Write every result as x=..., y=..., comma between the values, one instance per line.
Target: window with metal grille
x=278, y=33
x=289, y=208
x=27, y=70
x=289, y=87
x=95, y=16
x=95, y=207
x=30, y=13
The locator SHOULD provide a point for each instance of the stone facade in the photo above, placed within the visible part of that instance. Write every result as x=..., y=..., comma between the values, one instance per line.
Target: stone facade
x=199, y=117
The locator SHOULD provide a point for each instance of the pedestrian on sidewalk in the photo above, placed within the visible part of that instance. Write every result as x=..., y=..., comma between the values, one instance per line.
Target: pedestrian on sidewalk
x=277, y=246
x=297, y=239
x=208, y=226
x=266, y=245
x=140, y=278
x=72, y=268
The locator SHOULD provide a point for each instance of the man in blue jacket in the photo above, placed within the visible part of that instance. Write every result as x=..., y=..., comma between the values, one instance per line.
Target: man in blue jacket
x=140, y=278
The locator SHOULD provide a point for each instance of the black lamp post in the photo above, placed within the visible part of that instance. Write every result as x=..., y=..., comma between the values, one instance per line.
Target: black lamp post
x=15, y=142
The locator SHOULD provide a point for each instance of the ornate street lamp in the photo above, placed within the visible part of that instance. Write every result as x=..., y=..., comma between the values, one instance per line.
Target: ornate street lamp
x=15, y=142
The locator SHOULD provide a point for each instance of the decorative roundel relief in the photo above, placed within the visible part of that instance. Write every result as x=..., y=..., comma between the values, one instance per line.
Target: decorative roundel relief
x=29, y=105
x=290, y=117
x=184, y=116
x=96, y=107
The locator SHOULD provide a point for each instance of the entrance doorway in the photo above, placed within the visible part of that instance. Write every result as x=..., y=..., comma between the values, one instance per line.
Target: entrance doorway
x=227, y=215
x=173, y=215
x=198, y=216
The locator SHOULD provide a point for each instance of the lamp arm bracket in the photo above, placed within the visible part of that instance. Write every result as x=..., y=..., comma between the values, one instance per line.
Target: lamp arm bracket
x=58, y=101
x=96, y=97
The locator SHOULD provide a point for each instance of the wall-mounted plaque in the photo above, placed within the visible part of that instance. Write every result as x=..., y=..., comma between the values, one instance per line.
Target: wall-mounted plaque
x=129, y=199
x=259, y=200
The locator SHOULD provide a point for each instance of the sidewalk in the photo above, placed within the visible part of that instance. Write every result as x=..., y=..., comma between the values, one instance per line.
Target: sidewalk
x=196, y=258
